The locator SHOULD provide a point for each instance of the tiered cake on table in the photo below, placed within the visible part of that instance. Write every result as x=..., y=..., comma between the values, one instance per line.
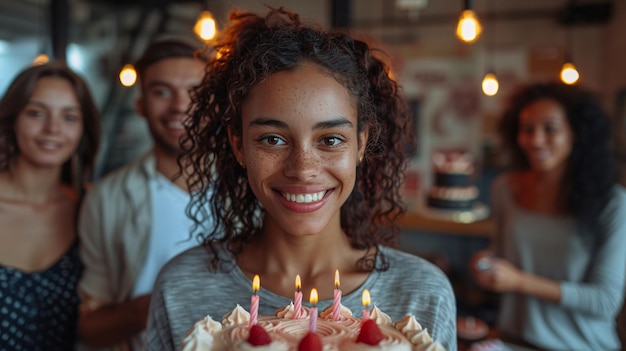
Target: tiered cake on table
x=283, y=332
x=452, y=188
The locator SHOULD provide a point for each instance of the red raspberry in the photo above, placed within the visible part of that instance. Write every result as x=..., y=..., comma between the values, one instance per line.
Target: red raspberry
x=370, y=333
x=310, y=342
x=258, y=336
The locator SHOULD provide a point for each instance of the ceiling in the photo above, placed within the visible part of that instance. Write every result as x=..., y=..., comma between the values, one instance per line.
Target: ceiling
x=24, y=18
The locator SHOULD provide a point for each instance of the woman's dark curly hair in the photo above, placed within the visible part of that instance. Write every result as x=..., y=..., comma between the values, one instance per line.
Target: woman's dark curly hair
x=591, y=171
x=249, y=51
x=77, y=170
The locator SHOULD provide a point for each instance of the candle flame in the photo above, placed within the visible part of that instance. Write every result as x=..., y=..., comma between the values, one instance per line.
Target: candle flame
x=256, y=283
x=313, y=298
x=337, y=279
x=298, y=282
x=366, y=298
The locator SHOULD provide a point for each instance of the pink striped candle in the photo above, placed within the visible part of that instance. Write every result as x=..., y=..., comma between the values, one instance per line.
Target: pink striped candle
x=254, y=301
x=313, y=311
x=297, y=307
x=337, y=299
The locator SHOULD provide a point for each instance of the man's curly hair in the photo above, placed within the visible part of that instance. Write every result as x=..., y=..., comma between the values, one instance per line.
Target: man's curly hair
x=253, y=48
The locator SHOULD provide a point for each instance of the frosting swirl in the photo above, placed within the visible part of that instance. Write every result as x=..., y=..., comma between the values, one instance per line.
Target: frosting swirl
x=200, y=337
x=434, y=346
x=327, y=313
x=380, y=317
x=237, y=316
x=407, y=324
x=419, y=337
x=287, y=312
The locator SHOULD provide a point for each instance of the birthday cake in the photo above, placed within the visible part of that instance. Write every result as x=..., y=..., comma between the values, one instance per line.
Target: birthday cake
x=282, y=332
x=452, y=189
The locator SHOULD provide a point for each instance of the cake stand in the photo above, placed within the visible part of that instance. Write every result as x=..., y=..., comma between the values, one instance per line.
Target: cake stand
x=478, y=212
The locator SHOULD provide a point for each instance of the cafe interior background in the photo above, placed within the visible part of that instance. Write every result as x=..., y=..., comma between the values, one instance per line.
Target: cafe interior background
x=521, y=41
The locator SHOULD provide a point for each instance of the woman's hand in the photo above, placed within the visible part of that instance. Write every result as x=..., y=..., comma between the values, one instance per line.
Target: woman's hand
x=494, y=273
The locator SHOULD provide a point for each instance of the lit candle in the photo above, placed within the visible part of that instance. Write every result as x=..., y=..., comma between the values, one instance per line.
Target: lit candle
x=313, y=312
x=297, y=308
x=366, y=304
x=337, y=299
x=254, y=300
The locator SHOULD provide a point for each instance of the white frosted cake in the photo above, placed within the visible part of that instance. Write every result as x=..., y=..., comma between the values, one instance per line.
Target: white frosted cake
x=283, y=333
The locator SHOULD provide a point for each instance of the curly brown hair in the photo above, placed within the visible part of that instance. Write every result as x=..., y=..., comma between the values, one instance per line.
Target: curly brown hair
x=253, y=48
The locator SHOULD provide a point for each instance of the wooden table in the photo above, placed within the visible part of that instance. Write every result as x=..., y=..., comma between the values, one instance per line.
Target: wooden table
x=413, y=220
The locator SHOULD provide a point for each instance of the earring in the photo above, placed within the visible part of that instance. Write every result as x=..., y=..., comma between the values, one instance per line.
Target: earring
x=242, y=163
x=360, y=159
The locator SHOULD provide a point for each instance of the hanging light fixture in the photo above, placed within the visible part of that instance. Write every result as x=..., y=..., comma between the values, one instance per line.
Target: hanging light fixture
x=42, y=56
x=41, y=59
x=205, y=26
x=468, y=28
x=490, y=83
x=569, y=74
x=128, y=75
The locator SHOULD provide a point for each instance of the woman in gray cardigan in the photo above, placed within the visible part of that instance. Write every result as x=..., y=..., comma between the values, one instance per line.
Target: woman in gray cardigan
x=308, y=136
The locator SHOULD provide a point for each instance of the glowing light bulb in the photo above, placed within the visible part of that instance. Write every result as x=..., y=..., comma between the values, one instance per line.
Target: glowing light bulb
x=205, y=26
x=569, y=74
x=41, y=59
x=128, y=75
x=468, y=28
x=490, y=84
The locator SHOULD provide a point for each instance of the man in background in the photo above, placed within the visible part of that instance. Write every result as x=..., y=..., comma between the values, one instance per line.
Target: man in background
x=133, y=221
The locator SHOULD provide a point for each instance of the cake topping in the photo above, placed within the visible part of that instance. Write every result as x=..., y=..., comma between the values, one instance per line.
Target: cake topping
x=419, y=337
x=408, y=323
x=310, y=342
x=370, y=333
x=327, y=313
x=288, y=312
x=258, y=336
x=433, y=346
x=380, y=317
x=237, y=316
x=200, y=337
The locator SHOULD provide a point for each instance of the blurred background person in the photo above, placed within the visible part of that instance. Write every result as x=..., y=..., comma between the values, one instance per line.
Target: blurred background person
x=133, y=220
x=560, y=243
x=49, y=135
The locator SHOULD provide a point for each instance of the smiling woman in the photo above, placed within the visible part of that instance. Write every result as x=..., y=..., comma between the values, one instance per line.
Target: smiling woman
x=559, y=252
x=307, y=134
x=49, y=133
x=52, y=108
x=309, y=147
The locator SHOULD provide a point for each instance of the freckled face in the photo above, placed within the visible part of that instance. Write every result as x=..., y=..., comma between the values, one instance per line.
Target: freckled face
x=300, y=146
x=50, y=126
x=545, y=135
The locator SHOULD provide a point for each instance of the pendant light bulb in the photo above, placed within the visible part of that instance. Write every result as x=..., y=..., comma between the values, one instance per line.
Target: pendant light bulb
x=569, y=74
x=490, y=84
x=205, y=26
x=468, y=28
x=41, y=59
x=128, y=75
